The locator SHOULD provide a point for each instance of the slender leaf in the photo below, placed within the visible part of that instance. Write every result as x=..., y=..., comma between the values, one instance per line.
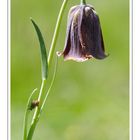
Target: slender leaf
x=43, y=51
x=27, y=111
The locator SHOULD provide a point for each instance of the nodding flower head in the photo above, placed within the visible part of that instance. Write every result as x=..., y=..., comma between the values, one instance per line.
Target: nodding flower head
x=84, y=38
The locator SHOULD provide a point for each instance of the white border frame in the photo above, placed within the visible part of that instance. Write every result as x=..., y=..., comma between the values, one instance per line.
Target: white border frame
x=131, y=69
x=9, y=68
x=136, y=70
x=4, y=94
x=134, y=10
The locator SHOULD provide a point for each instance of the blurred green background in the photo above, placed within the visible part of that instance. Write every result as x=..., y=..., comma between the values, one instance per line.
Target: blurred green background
x=90, y=100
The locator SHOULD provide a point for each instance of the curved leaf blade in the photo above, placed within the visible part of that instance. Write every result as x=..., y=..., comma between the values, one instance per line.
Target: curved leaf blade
x=27, y=111
x=43, y=51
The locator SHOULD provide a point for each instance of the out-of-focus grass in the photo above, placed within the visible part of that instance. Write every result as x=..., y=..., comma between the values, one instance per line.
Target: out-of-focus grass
x=89, y=100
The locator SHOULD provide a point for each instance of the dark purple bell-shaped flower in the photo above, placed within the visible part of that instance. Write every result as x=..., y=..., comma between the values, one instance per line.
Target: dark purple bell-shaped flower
x=84, y=38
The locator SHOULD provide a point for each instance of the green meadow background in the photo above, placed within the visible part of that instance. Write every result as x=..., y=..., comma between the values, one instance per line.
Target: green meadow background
x=90, y=100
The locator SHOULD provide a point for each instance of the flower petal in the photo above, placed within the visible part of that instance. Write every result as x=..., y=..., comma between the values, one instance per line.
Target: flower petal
x=75, y=51
x=91, y=34
x=69, y=22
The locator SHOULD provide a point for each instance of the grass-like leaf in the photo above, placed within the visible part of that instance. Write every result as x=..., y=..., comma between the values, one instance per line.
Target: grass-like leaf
x=43, y=51
x=27, y=111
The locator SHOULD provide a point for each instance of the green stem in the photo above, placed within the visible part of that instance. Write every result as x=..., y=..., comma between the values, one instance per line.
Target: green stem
x=40, y=108
x=25, y=125
x=83, y=1
x=54, y=75
x=26, y=115
x=37, y=111
x=50, y=57
x=55, y=35
x=33, y=126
